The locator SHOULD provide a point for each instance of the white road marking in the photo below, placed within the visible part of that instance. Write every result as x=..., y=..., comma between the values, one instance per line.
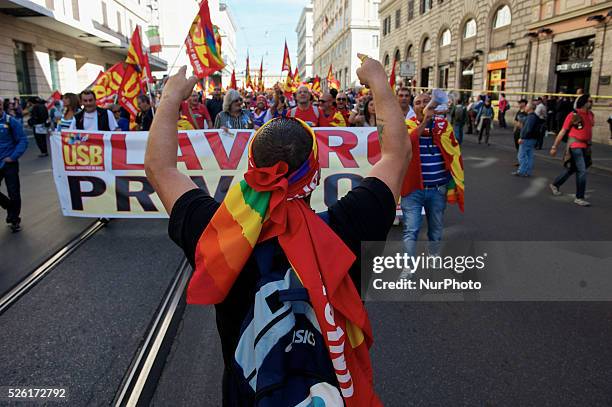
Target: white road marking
x=483, y=162
x=536, y=186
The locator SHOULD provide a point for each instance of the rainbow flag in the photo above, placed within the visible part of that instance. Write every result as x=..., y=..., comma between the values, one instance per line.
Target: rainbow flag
x=203, y=44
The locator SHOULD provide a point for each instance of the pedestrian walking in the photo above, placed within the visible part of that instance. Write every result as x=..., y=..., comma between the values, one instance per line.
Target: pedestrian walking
x=519, y=121
x=527, y=141
x=434, y=177
x=39, y=122
x=13, y=143
x=503, y=107
x=459, y=117
x=485, y=121
x=578, y=126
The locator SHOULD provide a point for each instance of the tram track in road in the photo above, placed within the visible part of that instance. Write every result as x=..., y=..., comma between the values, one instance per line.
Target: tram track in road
x=24, y=285
x=140, y=381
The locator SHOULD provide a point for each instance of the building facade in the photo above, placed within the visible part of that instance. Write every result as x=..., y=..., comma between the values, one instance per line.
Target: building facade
x=48, y=45
x=305, y=45
x=342, y=29
x=174, y=24
x=529, y=46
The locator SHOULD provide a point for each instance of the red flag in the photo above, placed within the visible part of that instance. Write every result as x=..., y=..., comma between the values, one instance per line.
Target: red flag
x=203, y=44
x=107, y=85
x=136, y=56
x=232, y=84
x=296, y=78
x=130, y=90
x=260, y=83
x=332, y=82
x=247, y=80
x=286, y=60
x=55, y=96
x=392, y=77
x=316, y=86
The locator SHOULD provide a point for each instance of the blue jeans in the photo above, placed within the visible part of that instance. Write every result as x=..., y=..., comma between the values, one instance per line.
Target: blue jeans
x=525, y=156
x=434, y=202
x=458, y=130
x=578, y=167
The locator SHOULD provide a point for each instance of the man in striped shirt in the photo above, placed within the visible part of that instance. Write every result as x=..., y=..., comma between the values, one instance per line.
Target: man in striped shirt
x=425, y=183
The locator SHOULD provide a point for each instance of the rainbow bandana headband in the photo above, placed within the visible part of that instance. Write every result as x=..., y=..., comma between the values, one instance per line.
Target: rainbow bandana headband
x=265, y=205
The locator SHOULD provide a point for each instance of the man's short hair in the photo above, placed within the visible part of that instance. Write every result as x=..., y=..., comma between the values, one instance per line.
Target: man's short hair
x=282, y=140
x=404, y=89
x=143, y=98
x=582, y=100
x=525, y=101
x=88, y=92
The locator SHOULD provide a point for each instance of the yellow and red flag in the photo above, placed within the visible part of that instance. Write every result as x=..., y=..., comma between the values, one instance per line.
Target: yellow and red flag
x=136, y=56
x=232, y=84
x=332, y=82
x=248, y=83
x=211, y=87
x=392, y=76
x=289, y=85
x=316, y=86
x=286, y=60
x=203, y=44
x=130, y=89
x=260, y=82
x=296, y=78
x=107, y=85
x=55, y=96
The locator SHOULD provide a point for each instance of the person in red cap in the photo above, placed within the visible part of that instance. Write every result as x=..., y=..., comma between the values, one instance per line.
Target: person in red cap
x=269, y=212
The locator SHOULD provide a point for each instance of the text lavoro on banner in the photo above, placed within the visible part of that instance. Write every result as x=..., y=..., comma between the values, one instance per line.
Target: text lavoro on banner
x=101, y=174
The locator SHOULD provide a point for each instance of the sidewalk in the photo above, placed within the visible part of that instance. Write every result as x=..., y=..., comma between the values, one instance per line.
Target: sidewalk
x=503, y=138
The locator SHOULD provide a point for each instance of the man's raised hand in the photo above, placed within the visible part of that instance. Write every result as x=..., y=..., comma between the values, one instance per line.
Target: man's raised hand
x=370, y=72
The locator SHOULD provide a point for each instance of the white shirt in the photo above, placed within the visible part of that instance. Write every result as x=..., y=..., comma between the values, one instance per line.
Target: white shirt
x=410, y=113
x=90, y=121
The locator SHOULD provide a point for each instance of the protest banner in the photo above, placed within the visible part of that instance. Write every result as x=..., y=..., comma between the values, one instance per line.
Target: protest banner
x=101, y=174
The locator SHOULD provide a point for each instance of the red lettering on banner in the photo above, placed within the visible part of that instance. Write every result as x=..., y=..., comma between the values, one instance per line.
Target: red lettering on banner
x=238, y=147
x=188, y=154
x=119, y=155
x=343, y=151
x=373, y=148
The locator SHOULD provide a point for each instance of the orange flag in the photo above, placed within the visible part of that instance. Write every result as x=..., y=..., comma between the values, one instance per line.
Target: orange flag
x=130, y=89
x=232, y=84
x=136, y=56
x=286, y=60
x=107, y=85
x=332, y=82
x=203, y=44
x=392, y=77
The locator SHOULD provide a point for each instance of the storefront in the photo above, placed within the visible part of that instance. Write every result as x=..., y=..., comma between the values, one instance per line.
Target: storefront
x=496, y=72
x=574, y=64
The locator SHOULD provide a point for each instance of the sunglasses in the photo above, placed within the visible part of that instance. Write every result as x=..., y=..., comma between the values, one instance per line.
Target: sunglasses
x=341, y=99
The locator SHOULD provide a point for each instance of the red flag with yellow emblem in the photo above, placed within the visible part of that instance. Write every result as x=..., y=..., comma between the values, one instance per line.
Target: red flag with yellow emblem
x=286, y=59
x=107, y=85
x=130, y=89
x=332, y=82
x=203, y=44
x=136, y=56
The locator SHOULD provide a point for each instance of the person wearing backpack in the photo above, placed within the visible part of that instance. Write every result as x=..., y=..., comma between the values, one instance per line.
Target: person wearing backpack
x=293, y=328
x=13, y=143
x=459, y=117
x=578, y=126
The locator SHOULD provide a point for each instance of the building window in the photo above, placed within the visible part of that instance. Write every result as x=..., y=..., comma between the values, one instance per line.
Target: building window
x=375, y=41
x=386, y=60
x=397, y=56
x=387, y=25
x=119, y=23
x=53, y=65
x=426, y=45
x=445, y=39
x=443, y=72
x=398, y=16
x=409, y=53
x=469, y=30
x=426, y=6
x=410, y=10
x=22, y=69
x=503, y=17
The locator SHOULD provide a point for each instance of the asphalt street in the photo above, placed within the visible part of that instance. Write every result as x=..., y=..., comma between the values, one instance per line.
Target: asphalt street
x=465, y=354
x=82, y=324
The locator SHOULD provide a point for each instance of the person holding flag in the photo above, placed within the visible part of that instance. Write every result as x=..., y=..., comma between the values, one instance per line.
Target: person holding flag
x=266, y=226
